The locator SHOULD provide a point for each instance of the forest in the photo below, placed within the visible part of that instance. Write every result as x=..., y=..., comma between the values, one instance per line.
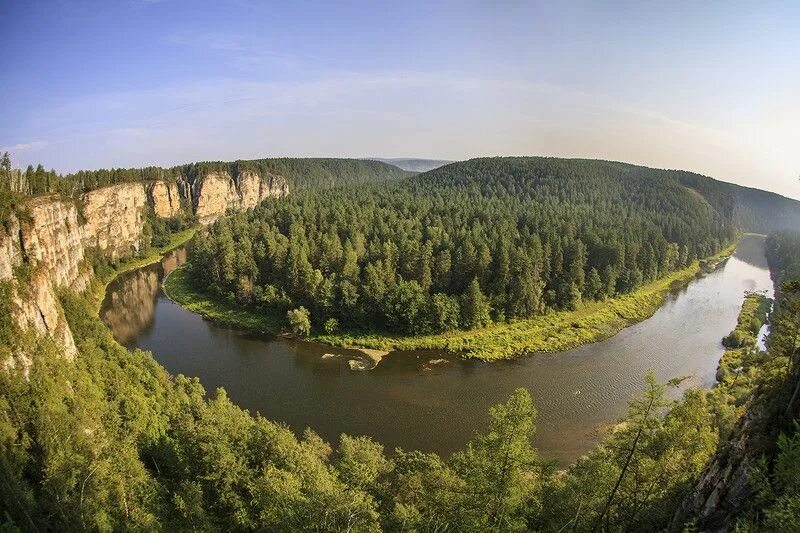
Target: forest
x=110, y=441
x=301, y=174
x=463, y=246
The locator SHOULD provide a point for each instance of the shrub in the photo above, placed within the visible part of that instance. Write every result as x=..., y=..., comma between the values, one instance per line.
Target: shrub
x=331, y=326
x=299, y=321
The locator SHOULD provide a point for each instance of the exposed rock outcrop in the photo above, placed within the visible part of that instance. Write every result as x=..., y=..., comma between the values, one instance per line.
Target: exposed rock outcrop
x=213, y=194
x=217, y=192
x=114, y=219
x=253, y=189
x=36, y=307
x=53, y=241
x=163, y=197
x=10, y=252
x=49, y=243
x=724, y=486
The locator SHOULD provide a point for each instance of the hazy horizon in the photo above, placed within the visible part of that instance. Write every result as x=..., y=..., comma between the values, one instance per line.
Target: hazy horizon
x=706, y=88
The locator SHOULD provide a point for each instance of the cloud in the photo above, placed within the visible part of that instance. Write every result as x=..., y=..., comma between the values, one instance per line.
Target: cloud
x=437, y=114
x=25, y=147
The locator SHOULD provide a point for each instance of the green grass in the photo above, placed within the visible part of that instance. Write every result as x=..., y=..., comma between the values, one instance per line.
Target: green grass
x=178, y=288
x=553, y=332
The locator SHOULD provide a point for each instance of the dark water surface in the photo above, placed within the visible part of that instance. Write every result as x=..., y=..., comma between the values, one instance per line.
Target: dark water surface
x=430, y=401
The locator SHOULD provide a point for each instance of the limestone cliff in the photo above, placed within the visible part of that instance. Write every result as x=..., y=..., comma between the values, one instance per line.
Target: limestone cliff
x=45, y=249
x=254, y=189
x=10, y=251
x=46, y=245
x=217, y=192
x=164, y=199
x=114, y=219
x=36, y=307
x=53, y=241
x=212, y=195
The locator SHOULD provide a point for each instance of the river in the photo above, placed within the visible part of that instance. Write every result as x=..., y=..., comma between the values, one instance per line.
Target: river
x=427, y=400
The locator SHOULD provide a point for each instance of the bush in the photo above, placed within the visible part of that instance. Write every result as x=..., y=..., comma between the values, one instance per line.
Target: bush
x=331, y=326
x=299, y=321
x=735, y=340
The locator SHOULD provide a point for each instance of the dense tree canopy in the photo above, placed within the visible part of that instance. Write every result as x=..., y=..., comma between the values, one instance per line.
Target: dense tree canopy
x=489, y=239
x=301, y=173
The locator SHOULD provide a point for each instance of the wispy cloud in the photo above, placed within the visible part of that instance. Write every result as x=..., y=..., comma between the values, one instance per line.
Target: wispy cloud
x=437, y=114
x=25, y=147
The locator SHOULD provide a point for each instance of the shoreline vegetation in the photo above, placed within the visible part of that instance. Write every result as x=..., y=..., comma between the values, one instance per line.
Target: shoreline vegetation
x=553, y=332
x=154, y=254
x=740, y=362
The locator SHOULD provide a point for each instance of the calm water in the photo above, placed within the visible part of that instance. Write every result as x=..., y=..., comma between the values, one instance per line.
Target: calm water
x=424, y=400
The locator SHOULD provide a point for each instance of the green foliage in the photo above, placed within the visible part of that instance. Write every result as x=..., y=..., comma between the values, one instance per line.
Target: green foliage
x=299, y=321
x=642, y=470
x=507, y=238
x=331, y=326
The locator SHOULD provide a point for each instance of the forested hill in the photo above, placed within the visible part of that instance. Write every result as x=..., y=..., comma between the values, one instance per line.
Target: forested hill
x=306, y=173
x=300, y=173
x=414, y=164
x=749, y=209
x=486, y=240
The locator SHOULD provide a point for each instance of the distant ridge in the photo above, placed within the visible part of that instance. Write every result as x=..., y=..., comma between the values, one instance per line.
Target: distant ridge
x=749, y=209
x=414, y=164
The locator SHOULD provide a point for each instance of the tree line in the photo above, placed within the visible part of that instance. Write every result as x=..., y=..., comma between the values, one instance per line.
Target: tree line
x=459, y=247
x=111, y=441
x=301, y=173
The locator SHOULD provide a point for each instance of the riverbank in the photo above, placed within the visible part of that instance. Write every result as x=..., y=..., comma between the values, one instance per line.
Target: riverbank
x=100, y=284
x=223, y=313
x=554, y=332
x=739, y=364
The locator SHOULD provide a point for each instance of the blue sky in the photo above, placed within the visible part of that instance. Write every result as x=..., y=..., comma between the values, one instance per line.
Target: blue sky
x=707, y=86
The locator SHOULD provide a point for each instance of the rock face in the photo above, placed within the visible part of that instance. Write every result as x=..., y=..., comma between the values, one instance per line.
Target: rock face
x=164, y=199
x=37, y=307
x=53, y=240
x=114, y=219
x=49, y=243
x=10, y=251
x=217, y=192
x=213, y=195
x=724, y=485
x=254, y=189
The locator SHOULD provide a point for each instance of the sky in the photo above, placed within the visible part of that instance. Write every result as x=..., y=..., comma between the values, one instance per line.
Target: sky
x=712, y=87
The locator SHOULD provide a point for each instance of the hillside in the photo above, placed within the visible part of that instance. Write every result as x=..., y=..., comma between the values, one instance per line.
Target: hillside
x=749, y=209
x=472, y=243
x=414, y=164
x=299, y=173
x=304, y=173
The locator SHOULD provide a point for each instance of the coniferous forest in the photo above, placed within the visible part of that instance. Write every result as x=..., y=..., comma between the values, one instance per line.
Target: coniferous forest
x=399, y=266
x=461, y=246
x=108, y=440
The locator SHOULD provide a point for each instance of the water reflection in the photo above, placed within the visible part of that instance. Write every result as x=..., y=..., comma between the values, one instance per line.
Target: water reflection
x=130, y=301
x=430, y=401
